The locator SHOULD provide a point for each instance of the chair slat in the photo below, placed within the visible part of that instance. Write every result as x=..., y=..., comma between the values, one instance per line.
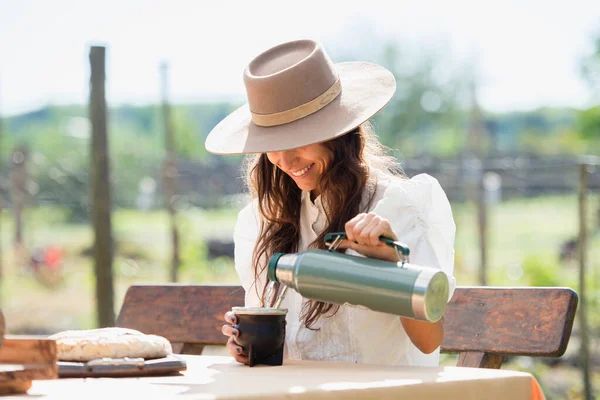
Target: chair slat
x=181, y=313
x=510, y=321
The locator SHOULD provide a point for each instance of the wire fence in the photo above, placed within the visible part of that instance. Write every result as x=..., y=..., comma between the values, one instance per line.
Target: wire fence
x=34, y=181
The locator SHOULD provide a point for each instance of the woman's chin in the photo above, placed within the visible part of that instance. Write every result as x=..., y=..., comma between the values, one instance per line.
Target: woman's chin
x=305, y=187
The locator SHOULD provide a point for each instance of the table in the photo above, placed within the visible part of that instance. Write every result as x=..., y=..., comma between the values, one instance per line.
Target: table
x=219, y=377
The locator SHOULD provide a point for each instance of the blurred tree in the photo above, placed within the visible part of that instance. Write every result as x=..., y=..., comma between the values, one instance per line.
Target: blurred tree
x=431, y=88
x=142, y=119
x=189, y=141
x=589, y=120
x=590, y=66
x=589, y=123
x=429, y=99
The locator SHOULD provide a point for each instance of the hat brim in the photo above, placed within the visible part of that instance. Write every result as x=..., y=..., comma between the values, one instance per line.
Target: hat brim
x=366, y=89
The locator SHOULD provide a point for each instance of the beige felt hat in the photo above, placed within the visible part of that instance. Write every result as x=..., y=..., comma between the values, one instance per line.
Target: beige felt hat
x=297, y=96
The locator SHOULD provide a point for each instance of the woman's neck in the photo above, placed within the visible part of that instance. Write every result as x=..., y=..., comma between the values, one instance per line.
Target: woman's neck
x=314, y=194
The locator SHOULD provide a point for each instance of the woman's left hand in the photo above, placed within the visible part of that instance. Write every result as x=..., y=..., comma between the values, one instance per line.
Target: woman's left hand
x=363, y=233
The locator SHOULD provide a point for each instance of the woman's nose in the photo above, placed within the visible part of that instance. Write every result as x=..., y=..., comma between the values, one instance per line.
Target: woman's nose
x=285, y=159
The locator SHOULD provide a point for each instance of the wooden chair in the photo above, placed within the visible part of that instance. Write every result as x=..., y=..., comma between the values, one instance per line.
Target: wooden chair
x=482, y=324
x=485, y=324
x=189, y=316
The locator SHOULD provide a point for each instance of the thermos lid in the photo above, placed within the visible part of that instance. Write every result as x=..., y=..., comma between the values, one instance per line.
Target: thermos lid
x=273, y=266
x=430, y=294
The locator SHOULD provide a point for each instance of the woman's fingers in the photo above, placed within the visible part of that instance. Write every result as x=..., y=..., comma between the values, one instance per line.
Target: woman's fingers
x=237, y=351
x=363, y=232
x=230, y=317
x=385, y=253
x=372, y=231
x=365, y=229
x=349, y=228
x=234, y=349
x=230, y=331
x=355, y=226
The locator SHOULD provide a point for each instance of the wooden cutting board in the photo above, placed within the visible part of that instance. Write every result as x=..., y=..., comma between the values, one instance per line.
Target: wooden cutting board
x=116, y=367
x=24, y=359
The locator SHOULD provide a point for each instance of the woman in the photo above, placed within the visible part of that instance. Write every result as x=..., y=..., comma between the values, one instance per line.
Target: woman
x=317, y=168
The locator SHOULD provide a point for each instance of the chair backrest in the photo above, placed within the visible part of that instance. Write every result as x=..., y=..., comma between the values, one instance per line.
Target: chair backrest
x=484, y=324
x=191, y=315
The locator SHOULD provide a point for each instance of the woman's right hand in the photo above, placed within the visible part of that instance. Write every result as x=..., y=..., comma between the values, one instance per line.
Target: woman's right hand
x=228, y=329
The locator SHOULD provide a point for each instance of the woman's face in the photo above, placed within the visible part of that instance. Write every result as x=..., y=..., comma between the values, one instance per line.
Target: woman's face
x=305, y=165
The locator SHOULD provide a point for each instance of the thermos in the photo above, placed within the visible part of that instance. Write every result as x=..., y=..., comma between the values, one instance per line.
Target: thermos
x=404, y=289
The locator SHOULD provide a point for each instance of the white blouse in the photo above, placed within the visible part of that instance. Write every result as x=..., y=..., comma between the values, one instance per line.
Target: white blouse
x=421, y=217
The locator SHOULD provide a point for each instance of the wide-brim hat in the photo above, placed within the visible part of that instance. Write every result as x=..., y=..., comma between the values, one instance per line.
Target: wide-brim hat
x=297, y=97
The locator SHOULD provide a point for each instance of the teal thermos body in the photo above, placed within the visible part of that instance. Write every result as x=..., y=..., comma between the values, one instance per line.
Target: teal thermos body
x=403, y=289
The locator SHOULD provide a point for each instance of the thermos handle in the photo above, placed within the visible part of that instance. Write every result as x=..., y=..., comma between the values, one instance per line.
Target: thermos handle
x=334, y=238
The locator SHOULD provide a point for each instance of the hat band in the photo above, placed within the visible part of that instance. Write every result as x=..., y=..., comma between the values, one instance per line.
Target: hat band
x=301, y=111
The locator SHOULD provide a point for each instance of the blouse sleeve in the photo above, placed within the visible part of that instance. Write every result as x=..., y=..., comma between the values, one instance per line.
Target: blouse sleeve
x=245, y=235
x=421, y=217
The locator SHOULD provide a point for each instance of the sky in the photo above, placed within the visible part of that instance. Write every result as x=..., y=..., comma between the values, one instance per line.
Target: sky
x=526, y=53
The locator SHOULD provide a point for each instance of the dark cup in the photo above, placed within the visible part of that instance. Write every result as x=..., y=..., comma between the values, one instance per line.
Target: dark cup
x=261, y=334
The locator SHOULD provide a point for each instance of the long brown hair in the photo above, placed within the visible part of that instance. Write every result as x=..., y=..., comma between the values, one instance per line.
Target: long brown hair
x=342, y=187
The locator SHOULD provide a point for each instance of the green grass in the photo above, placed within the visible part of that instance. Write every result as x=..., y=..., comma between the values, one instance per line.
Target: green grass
x=142, y=254
x=524, y=241
x=524, y=233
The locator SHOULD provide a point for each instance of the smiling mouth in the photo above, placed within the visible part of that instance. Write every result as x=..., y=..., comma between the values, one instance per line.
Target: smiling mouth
x=302, y=172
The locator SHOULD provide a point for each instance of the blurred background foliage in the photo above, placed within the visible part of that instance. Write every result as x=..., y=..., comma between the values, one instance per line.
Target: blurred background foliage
x=428, y=116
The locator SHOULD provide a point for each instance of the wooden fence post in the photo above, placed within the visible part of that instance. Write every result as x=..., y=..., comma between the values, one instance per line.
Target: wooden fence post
x=584, y=352
x=1, y=196
x=476, y=140
x=482, y=229
x=170, y=174
x=18, y=179
x=100, y=196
